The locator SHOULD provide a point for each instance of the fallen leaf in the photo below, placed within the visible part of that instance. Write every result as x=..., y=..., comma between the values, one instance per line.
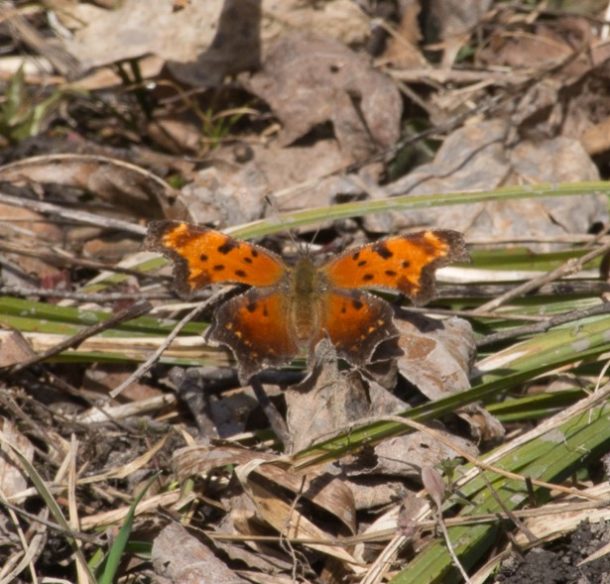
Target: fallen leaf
x=309, y=80
x=114, y=182
x=12, y=478
x=204, y=41
x=454, y=21
x=437, y=354
x=180, y=558
x=14, y=349
x=402, y=50
x=475, y=158
x=226, y=196
x=327, y=401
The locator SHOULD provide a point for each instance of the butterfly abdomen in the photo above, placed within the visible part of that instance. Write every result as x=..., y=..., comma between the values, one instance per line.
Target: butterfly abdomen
x=305, y=300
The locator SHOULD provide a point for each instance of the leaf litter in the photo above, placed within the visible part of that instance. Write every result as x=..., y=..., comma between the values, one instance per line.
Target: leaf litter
x=222, y=113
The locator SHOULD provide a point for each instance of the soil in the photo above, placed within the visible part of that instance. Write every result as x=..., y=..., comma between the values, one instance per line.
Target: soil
x=558, y=563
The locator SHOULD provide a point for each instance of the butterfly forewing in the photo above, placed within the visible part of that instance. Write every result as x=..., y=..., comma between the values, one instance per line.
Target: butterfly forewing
x=204, y=256
x=405, y=263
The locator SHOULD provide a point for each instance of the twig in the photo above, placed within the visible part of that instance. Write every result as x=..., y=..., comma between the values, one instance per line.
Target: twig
x=509, y=512
x=275, y=419
x=86, y=537
x=482, y=465
x=454, y=558
x=562, y=288
x=93, y=297
x=78, y=216
x=22, y=30
x=133, y=311
x=541, y=327
x=146, y=365
x=62, y=259
x=571, y=266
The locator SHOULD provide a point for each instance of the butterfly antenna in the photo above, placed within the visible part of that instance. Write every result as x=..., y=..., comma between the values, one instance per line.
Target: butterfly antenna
x=276, y=215
x=315, y=235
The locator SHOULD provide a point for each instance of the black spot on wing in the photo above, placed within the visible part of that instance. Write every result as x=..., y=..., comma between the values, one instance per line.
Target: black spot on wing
x=357, y=304
x=251, y=307
x=218, y=268
x=382, y=250
x=367, y=277
x=228, y=246
x=240, y=273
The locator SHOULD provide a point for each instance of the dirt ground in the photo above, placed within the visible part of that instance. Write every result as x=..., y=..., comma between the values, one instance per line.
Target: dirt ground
x=558, y=562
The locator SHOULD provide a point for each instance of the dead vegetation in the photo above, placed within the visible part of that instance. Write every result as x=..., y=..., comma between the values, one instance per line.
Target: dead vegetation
x=131, y=452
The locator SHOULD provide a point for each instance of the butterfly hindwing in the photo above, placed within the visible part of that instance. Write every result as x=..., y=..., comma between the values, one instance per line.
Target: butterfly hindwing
x=357, y=322
x=204, y=256
x=254, y=325
x=405, y=263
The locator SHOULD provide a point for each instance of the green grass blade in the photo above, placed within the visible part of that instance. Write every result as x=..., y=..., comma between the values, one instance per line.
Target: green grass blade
x=551, y=458
x=110, y=566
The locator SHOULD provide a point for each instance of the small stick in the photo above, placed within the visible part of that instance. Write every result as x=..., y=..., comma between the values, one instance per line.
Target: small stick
x=275, y=419
x=78, y=216
x=571, y=266
x=134, y=311
x=147, y=365
x=85, y=297
x=541, y=327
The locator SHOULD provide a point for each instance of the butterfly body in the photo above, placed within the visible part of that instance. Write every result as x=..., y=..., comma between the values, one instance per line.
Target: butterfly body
x=305, y=304
x=289, y=309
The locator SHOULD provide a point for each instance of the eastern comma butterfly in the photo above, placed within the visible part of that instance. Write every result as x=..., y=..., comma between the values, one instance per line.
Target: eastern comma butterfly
x=290, y=308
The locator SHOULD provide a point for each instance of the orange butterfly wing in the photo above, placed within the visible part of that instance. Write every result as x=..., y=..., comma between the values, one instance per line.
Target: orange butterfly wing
x=405, y=263
x=357, y=322
x=255, y=327
x=204, y=256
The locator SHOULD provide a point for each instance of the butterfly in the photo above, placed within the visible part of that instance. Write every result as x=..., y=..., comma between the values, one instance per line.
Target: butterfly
x=288, y=309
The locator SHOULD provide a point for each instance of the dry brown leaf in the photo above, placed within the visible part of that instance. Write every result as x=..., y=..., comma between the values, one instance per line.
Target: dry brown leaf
x=373, y=492
x=14, y=349
x=402, y=51
x=325, y=402
x=405, y=456
x=241, y=520
x=330, y=495
x=262, y=578
x=454, y=21
x=476, y=158
x=275, y=492
x=12, y=478
x=308, y=81
x=226, y=195
x=115, y=182
x=27, y=231
x=286, y=517
x=541, y=46
x=596, y=138
x=202, y=45
x=299, y=177
x=178, y=557
x=437, y=355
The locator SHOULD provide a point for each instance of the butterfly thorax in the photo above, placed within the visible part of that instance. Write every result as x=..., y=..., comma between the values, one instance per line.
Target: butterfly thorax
x=307, y=285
